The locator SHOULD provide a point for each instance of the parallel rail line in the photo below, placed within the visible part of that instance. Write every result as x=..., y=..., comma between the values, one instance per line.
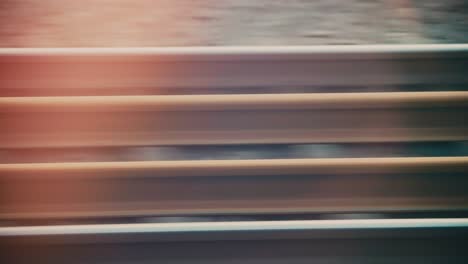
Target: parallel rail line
x=130, y=71
x=339, y=241
x=120, y=189
x=232, y=119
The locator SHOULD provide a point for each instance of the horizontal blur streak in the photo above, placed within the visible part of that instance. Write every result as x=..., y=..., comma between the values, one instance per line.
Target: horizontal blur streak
x=235, y=152
x=302, y=225
x=239, y=186
x=195, y=70
x=297, y=242
x=232, y=119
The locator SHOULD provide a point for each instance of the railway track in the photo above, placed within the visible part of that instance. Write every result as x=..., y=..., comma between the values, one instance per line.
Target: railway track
x=102, y=101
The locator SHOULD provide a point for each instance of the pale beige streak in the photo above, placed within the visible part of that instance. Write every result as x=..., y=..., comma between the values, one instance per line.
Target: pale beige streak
x=259, y=101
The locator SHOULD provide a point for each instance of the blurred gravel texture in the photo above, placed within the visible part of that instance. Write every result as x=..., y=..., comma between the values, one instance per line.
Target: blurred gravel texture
x=94, y=23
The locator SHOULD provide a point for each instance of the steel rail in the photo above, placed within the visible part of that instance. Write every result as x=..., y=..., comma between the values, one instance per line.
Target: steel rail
x=132, y=71
x=118, y=189
x=338, y=241
x=232, y=119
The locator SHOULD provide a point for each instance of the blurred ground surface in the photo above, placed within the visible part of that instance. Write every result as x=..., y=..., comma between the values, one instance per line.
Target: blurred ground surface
x=68, y=23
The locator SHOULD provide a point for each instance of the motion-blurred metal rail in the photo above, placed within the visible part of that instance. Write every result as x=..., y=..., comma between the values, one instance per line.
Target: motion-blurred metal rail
x=193, y=70
x=232, y=119
x=154, y=188
x=296, y=242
